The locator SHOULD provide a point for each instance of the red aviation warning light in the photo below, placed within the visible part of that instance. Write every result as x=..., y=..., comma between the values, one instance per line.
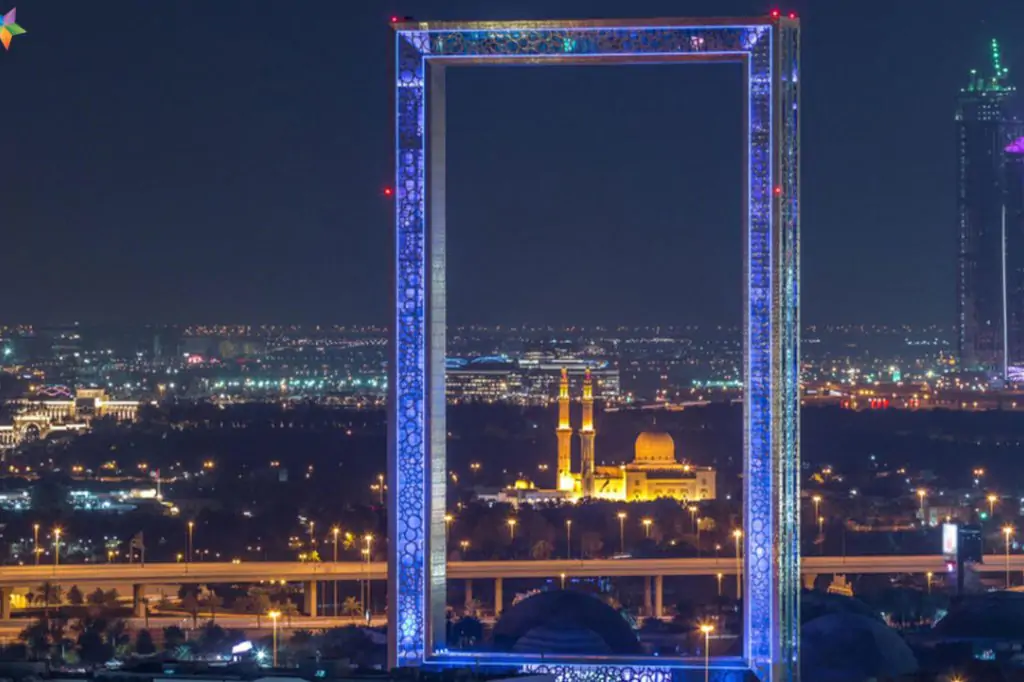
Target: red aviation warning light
x=776, y=14
x=388, y=191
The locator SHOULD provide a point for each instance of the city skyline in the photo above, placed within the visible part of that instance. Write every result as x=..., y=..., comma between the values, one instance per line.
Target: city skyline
x=180, y=212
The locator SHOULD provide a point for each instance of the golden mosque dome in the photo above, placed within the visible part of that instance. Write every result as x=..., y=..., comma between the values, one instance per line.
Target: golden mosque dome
x=654, y=448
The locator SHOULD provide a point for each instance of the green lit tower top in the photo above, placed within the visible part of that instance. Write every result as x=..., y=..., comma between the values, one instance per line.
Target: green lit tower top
x=997, y=82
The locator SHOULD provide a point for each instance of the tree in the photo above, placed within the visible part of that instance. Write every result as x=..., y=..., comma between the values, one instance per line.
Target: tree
x=288, y=610
x=541, y=550
x=191, y=605
x=97, y=597
x=144, y=643
x=212, y=637
x=49, y=593
x=75, y=596
x=110, y=598
x=591, y=544
x=351, y=607
x=213, y=601
x=174, y=637
x=258, y=603
x=36, y=638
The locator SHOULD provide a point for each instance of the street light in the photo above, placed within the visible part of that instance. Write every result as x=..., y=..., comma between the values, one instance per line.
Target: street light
x=568, y=538
x=921, y=493
x=56, y=547
x=188, y=552
x=707, y=629
x=719, y=576
x=369, y=584
x=1008, y=533
x=817, y=504
x=380, y=481
x=464, y=545
x=928, y=577
x=334, y=532
x=693, y=516
x=647, y=527
x=274, y=615
x=738, y=534
x=512, y=528
x=448, y=518
x=35, y=541
x=563, y=581
x=992, y=498
x=622, y=532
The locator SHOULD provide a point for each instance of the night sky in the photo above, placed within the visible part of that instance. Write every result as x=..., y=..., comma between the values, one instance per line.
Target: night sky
x=224, y=161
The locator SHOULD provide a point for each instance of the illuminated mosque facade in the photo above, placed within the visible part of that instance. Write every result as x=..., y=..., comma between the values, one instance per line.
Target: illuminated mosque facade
x=655, y=471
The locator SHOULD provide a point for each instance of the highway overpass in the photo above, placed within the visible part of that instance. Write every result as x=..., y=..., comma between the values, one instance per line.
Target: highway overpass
x=312, y=573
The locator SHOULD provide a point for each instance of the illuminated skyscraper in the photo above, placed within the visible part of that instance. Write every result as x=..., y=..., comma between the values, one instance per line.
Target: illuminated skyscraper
x=1014, y=222
x=986, y=126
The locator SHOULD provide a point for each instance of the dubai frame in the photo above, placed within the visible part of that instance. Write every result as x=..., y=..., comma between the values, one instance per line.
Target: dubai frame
x=767, y=48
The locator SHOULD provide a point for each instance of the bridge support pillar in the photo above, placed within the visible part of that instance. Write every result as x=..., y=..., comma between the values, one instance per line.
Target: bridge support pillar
x=499, y=595
x=809, y=580
x=659, y=596
x=648, y=608
x=469, y=594
x=139, y=601
x=309, y=598
x=5, y=602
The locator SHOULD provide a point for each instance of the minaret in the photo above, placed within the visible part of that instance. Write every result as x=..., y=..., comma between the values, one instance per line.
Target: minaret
x=564, y=432
x=587, y=434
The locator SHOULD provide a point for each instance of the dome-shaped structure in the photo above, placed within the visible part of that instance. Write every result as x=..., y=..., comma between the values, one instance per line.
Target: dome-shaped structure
x=848, y=647
x=564, y=622
x=654, y=448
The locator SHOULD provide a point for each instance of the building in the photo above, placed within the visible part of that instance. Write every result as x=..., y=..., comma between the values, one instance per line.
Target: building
x=1014, y=231
x=58, y=411
x=653, y=472
x=986, y=127
x=532, y=379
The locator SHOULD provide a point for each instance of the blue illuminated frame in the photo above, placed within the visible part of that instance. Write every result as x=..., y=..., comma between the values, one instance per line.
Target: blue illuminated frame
x=768, y=48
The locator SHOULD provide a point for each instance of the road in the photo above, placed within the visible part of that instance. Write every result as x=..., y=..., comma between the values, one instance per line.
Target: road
x=293, y=571
x=10, y=629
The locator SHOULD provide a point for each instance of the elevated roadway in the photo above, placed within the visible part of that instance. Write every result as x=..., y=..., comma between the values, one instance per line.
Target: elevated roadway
x=294, y=571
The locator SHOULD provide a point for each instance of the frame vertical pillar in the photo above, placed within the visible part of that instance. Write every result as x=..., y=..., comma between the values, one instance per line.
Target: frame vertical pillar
x=768, y=50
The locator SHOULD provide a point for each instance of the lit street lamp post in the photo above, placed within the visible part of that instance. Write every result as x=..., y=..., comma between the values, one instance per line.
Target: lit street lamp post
x=369, y=585
x=380, y=483
x=512, y=529
x=622, y=532
x=928, y=577
x=817, y=504
x=991, y=504
x=707, y=629
x=334, y=532
x=719, y=576
x=188, y=548
x=448, y=518
x=647, y=527
x=1008, y=533
x=35, y=541
x=56, y=548
x=921, y=494
x=568, y=538
x=274, y=615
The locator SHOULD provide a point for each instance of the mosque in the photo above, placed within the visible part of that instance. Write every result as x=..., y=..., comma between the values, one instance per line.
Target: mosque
x=654, y=472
